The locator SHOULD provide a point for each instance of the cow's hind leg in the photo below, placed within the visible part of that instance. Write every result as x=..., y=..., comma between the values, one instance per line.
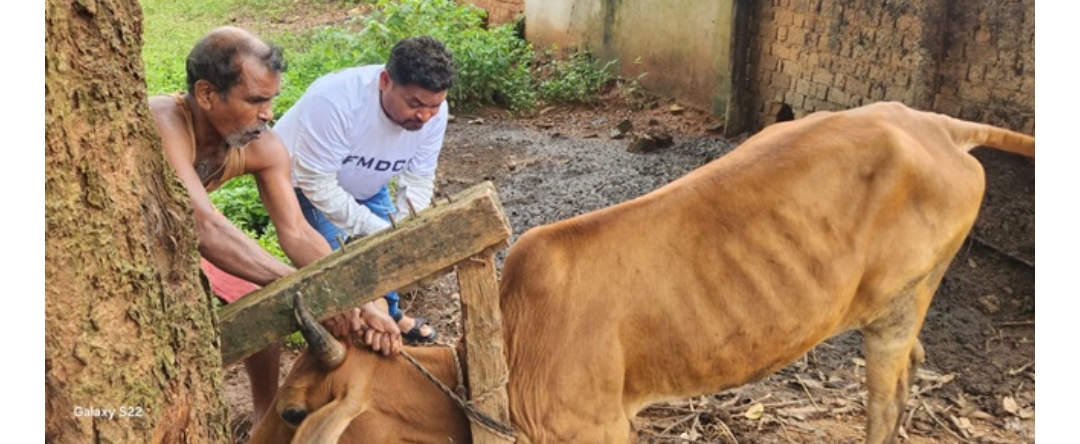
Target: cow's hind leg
x=893, y=354
x=891, y=362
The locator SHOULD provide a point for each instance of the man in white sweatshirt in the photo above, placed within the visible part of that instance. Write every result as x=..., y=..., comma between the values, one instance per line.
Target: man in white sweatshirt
x=354, y=130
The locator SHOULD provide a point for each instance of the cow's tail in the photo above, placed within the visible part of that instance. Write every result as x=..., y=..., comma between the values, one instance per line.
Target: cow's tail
x=969, y=135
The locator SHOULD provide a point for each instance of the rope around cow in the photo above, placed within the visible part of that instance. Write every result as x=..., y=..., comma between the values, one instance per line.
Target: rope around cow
x=476, y=416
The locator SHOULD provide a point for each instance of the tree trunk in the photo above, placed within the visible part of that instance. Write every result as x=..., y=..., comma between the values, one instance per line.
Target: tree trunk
x=129, y=329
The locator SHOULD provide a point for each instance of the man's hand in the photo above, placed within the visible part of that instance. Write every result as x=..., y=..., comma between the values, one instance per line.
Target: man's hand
x=382, y=333
x=371, y=322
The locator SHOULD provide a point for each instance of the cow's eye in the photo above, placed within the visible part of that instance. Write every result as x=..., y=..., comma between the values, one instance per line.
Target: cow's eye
x=294, y=416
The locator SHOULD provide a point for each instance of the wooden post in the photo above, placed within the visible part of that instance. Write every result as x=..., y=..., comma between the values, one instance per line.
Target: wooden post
x=484, y=348
x=364, y=270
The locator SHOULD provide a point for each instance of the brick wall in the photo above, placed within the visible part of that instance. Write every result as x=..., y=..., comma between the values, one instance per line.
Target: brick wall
x=974, y=60
x=501, y=11
x=988, y=69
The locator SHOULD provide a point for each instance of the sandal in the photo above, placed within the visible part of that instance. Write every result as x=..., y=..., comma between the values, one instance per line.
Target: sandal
x=415, y=336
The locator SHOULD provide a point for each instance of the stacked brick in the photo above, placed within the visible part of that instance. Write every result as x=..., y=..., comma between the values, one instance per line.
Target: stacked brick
x=973, y=60
x=988, y=69
x=501, y=11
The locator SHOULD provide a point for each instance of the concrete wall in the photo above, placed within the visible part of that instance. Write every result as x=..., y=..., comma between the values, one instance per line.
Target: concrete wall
x=684, y=46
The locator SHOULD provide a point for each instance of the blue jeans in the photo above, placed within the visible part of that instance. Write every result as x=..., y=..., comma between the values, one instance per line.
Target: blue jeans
x=380, y=204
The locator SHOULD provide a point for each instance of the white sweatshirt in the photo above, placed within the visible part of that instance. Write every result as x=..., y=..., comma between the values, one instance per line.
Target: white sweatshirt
x=344, y=148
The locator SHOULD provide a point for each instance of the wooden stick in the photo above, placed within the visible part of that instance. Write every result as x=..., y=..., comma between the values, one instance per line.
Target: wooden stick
x=412, y=209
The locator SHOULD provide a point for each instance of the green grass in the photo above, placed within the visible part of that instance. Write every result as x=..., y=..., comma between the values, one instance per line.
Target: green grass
x=172, y=27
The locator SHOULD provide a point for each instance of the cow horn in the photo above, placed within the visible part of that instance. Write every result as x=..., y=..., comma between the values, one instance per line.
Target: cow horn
x=321, y=343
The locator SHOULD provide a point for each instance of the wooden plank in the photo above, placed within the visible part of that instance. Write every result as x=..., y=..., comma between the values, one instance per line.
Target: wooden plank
x=435, y=240
x=484, y=348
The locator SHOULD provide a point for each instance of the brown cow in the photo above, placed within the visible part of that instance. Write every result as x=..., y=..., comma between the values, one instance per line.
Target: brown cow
x=837, y=221
x=342, y=391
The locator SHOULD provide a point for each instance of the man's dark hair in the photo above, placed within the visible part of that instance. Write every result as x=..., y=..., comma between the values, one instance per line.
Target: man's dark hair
x=217, y=58
x=422, y=61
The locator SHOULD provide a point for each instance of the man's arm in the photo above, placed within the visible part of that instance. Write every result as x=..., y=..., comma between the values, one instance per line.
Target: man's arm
x=220, y=242
x=415, y=189
x=270, y=164
x=336, y=204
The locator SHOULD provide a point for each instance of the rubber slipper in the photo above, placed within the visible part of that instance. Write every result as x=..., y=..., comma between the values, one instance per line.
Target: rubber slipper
x=414, y=335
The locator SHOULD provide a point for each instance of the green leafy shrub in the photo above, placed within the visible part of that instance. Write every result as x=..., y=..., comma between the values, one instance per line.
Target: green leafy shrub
x=322, y=52
x=493, y=64
x=239, y=200
x=269, y=241
x=493, y=69
x=578, y=78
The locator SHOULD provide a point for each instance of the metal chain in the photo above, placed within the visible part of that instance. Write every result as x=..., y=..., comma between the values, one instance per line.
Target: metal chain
x=476, y=416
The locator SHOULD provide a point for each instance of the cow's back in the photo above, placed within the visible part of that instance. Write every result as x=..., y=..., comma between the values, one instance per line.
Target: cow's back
x=731, y=272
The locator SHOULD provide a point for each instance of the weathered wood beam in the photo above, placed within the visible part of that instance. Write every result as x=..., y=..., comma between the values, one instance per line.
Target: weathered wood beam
x=484, y=347
x=435, y=240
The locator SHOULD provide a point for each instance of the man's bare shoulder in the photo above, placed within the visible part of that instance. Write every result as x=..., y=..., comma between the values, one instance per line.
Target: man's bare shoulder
x=172, y=127
x=166, y=112
x=162, y=103
x=267, y=152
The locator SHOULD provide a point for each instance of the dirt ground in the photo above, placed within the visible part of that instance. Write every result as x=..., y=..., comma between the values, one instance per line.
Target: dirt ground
x=976, y=386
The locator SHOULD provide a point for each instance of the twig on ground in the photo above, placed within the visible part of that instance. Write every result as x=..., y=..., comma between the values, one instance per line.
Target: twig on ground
x=807, y=391
x=731, y=402
x=673, y=407
x=942, y=424
x=1001, y=251
x=727, y=431
x=676, y=423
x=1021, y=369
x=958, y=422
x=910, y=417
x=692, y=430
x=755, y=401
x=1016, y=323
x=784, y=403
x=679, y=438
x=784, y=429
x=935, y=384
x=843, y=410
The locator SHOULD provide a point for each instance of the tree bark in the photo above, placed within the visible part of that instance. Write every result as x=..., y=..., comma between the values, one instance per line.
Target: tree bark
x=129, y=328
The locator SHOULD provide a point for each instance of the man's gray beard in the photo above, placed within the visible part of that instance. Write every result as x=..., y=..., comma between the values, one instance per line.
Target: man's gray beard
x=242, y=138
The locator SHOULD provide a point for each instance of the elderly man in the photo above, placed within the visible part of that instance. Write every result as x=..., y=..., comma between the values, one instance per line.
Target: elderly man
x=217, y=130
x=355, y=129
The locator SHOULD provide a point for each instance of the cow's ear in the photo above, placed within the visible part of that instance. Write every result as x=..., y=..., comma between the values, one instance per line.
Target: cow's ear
x=294, y=416
x=325, y=425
